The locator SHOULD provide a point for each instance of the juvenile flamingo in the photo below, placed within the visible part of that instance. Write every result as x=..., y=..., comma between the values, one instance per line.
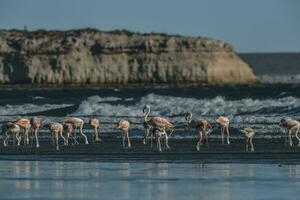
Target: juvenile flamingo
x=291, y=124
x=69, y=130
x=77, y=122
x=159, y=125
x=36, y=124
x=224, y=123
x=13, y=128
x=202, y=127
x=95, y=124
x=24, y=123
x=56, y=129
x=124, y=125
x=249, y=134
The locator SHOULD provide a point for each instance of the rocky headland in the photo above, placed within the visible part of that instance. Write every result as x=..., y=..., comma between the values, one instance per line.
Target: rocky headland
x=89, y=56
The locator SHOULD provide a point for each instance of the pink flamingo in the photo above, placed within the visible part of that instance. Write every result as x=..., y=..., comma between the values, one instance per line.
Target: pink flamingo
x=291, y=124
x=13, y=128
x=202, y=126
x=56, y=129
x=24, y=123
x=159, y=125
x=69, y=130
x=95, y=124
x=36, y=124
x=77, y=122
x=224, y=123
x=124, y=125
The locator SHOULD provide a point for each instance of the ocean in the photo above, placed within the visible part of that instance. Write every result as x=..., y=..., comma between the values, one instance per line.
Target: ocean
x=260, y=107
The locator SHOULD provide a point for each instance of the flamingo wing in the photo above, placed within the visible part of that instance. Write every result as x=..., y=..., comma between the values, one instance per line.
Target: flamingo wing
x=162, y=122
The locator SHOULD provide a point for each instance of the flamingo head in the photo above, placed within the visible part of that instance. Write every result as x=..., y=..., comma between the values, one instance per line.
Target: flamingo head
x=147, y=107
x=284, y=120
x=188, y=116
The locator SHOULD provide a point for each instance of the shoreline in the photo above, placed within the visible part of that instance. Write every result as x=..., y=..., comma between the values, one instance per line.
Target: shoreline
x=182, y=151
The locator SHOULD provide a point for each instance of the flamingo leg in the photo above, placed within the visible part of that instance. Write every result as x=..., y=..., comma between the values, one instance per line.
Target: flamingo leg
x=19, y=138
x=296, y=135
x=222, y=134
x=146, y=134
x=56, y=141
x=61, y=135
x=86, y=140
x=247, y=140
x=158, y=138
x=206, y=139
x=14, y=137
x=4, y=139
x=152, y=134
x=7, y=139
x=36, y=133
x=128, y=140
x=167, y=141
x=97, y=136
x=286, y=137
x=290, y=137
x=123, y=139
x=252, y=146
x=228, y=142
x=199, y=140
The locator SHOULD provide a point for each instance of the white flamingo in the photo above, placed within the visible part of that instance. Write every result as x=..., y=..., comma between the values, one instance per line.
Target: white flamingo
x=249, y=134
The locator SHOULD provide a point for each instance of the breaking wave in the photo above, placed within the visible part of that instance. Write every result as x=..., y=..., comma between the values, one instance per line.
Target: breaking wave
x=261, y=114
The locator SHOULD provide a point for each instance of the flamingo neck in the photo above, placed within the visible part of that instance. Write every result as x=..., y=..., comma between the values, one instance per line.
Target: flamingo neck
x=189, y=119
x=147, y=114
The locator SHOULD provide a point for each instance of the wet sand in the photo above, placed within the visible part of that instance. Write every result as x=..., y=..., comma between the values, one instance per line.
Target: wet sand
x=183, y=150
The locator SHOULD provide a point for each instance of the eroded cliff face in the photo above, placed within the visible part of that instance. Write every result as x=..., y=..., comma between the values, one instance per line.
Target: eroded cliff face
x=92, y=56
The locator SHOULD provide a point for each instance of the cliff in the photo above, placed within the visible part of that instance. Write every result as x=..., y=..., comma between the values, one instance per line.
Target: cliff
x=97, y=57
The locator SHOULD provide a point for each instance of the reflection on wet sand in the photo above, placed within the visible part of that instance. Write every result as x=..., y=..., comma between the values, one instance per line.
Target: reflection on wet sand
x=92, y=180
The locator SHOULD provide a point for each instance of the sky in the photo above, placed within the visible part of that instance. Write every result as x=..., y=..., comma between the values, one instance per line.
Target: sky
x=248, y=25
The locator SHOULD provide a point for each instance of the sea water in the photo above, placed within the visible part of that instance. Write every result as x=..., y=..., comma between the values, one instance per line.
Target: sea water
x=134, y=181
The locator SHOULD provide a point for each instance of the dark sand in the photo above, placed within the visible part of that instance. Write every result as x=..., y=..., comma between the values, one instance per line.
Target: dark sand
x=266, y=151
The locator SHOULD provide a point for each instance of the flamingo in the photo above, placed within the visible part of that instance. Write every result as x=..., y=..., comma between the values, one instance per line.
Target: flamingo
x=69, y=130
x=24, y=123
x=291, y=124
x=77, y=122
x=124, y=125
x=249, y=134
x=95, y=124
x=14, y=129
x=55, y=129
x=224, y=123
x=159, y=125
x=36, y=124
x=202, y=126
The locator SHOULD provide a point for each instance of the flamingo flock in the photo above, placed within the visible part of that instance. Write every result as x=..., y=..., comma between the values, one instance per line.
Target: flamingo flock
x=156, y=127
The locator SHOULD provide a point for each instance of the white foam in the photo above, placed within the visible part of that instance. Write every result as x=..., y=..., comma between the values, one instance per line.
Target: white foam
x=28, y=108
x=259, y=113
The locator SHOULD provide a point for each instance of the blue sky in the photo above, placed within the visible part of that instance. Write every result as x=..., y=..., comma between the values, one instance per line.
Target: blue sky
x=249, y=25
